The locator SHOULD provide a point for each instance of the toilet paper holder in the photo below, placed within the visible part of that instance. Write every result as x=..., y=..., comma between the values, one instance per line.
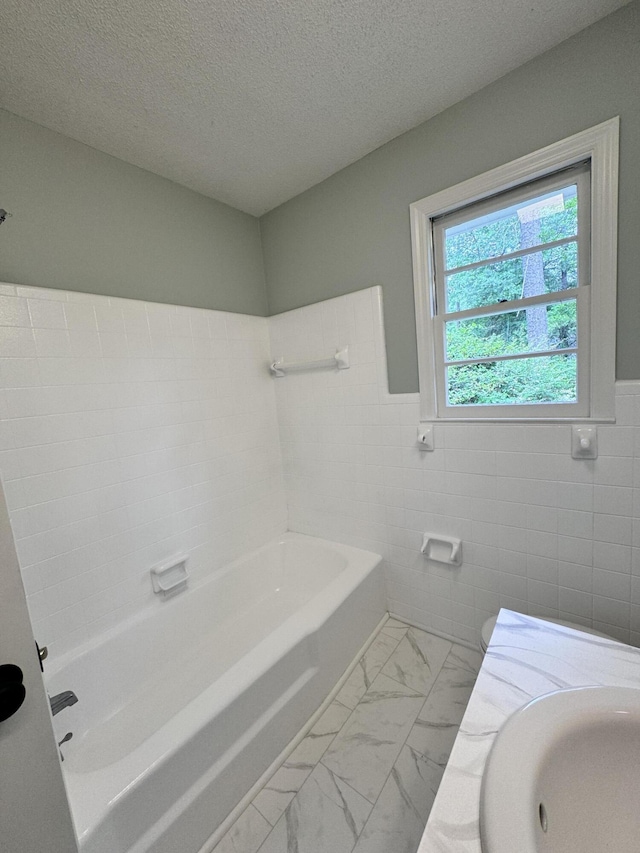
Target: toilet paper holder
x=442, y=549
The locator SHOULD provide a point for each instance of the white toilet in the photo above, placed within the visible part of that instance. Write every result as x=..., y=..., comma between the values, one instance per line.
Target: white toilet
x=490, y=624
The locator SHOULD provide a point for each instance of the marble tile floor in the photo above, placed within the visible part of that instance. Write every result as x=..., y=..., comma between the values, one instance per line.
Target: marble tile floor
x=365, y=777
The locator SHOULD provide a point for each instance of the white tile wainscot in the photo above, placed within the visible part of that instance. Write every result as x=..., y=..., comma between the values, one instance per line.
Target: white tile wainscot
x=544, y=534
x=130, y=433
x=526, y=658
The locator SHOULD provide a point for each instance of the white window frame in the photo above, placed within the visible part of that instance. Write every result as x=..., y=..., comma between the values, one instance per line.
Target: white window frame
x=599, y=146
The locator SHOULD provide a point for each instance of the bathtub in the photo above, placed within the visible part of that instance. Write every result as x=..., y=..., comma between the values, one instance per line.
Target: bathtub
x=181, y=710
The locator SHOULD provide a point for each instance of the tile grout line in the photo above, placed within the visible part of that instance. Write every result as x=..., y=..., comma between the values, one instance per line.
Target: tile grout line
x=346, y=707
x=253, y=803
x=404, y=743
x=436, y=766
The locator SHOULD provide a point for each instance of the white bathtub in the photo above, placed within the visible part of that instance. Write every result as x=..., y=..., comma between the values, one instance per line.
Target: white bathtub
x=183, y=709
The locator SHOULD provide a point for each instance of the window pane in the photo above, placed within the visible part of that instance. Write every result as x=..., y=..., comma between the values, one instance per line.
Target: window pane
x=541, y=327
x=539, y=220
x=545, y=379
x=547, y=271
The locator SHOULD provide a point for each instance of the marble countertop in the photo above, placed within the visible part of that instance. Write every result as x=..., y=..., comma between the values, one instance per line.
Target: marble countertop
x=526, y=658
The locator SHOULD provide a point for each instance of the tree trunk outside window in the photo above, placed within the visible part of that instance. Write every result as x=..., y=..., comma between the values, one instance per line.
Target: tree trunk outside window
x=533, y=285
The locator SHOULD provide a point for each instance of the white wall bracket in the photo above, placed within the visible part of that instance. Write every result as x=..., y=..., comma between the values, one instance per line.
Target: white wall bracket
x=425, y=436
x=584, y=442
x=442, y=549
x=170, y=578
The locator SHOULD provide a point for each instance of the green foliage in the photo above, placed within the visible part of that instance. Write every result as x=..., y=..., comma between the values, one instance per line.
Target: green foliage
x=481, y=240
x=542, y=379
x=548, y=379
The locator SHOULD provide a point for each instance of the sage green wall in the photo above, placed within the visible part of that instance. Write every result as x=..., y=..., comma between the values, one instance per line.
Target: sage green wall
x=83, y=220
x=352, y=230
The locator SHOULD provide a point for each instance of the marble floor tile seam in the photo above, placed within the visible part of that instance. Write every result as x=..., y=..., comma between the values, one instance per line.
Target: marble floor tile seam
x=354, y=793
x=377, y=816
x=272, y=811
x=372, y=817
x=394, y=630
x=403, y=744
x=397, y=631
x=395, y=680
x=352, y=711
x=391, y=677
x=367, y=668
x=305, y=768
x=341, y=760
x=409, y=741
x=426, y=759
x=417, y=660
x=377, y=812
x=400, y=684
x=393, y=774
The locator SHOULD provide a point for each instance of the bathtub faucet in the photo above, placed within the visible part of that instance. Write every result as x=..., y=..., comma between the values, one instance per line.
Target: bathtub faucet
x=62, y=700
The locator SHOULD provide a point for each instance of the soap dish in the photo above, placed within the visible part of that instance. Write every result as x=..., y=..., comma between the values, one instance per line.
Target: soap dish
x=170, y=578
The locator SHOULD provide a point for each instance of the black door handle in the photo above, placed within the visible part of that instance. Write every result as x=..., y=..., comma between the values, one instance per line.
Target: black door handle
x=12, y=690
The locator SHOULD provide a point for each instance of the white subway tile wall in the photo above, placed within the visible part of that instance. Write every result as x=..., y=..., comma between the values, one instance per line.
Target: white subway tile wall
x=134, y=432
x=543, y=533
x=130, y=433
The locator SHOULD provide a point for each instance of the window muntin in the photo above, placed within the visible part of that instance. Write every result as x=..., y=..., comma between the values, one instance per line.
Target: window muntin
x=504, y=269
x=560, y=264
x=478, y=239
x=481, y=337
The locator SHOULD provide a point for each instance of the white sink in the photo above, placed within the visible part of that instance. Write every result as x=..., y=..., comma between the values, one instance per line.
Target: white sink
x=563, y=775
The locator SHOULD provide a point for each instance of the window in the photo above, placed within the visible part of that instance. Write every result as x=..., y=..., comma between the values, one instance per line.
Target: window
x=515, y=283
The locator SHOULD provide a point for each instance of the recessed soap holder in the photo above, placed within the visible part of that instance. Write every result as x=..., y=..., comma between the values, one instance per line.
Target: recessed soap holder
x=170, y=578
x=442, y=549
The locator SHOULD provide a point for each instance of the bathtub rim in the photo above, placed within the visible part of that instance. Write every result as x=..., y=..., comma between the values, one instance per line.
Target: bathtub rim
x=57, y=664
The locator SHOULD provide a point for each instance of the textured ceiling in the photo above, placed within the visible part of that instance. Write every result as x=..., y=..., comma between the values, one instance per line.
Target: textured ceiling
x=254, y=101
